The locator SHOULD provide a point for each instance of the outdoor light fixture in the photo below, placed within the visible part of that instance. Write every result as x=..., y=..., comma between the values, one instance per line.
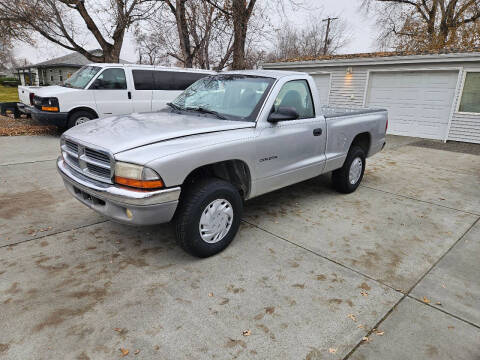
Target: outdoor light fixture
x=349, y=70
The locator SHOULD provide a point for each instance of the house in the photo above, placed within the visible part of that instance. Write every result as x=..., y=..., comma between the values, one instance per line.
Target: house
x=54, y=71
x=434, y=95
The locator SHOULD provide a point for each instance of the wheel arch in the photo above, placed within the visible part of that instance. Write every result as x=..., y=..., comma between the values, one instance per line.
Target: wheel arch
x=82, y=108
x=235, y=171
x=364, y=140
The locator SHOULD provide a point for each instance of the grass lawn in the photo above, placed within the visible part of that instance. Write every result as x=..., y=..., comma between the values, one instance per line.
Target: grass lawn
x=8, y=94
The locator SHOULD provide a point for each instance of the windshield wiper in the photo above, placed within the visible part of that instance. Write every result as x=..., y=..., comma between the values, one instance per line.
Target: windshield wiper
x=206, y=111
x=174, y=106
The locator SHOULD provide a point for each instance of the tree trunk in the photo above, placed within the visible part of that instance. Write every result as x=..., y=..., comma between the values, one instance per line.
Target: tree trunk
x=183, y=34
x=240, y=23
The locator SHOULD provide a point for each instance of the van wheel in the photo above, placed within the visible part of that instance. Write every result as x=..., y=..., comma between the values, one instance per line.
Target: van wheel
x=79, y=117
x=208, y=217
x=347, y=179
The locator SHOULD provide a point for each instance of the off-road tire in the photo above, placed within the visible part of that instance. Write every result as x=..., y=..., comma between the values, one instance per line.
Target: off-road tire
x=193, y=203
x=341, y=177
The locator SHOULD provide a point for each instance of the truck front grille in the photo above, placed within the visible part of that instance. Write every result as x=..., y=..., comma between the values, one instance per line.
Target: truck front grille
x=93, y=163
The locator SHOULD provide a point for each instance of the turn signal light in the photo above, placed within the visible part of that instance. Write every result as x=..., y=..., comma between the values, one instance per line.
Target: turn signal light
x=139, y=184
x=50, y=108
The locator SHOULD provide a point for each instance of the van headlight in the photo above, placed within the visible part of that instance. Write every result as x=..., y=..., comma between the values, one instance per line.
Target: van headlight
x=137, y=176
x=48, y=104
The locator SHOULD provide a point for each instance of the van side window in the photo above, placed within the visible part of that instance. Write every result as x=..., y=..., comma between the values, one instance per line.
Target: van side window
x=111, y=79
x=175, y=80
x=296, y=94
x=143, y=79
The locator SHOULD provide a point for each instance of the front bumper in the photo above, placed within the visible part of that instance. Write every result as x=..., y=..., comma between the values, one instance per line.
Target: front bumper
x=24, y=109
x=50, y=118
x=145, y=207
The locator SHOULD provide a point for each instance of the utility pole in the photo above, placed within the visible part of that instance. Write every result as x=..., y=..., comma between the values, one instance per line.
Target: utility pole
x=328, y=20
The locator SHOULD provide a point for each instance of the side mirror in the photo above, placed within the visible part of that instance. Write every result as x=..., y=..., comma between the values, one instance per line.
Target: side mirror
x=283, y=114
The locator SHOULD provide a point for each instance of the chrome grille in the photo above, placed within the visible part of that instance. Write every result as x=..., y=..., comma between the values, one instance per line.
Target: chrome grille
x=93, y=163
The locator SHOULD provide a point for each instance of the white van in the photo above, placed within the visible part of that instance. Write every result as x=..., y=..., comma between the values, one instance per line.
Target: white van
x=100, y=90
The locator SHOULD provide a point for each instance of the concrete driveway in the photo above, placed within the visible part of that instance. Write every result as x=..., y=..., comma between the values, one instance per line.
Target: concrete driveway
x=389, y=272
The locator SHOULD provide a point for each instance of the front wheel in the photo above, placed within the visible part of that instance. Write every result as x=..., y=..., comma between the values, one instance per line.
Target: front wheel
x=79, y=117
x=208, y=217
x=347, y=179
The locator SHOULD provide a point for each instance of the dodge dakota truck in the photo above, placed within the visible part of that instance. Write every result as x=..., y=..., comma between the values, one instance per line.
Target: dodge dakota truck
x=228, y=138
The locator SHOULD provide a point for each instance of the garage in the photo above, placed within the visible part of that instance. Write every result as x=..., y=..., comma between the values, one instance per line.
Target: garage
x=432, y=95
x=419, y=102
x=323, y=85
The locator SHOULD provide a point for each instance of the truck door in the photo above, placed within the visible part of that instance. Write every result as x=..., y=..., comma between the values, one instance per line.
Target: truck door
x=111, y=93
x=293, y=150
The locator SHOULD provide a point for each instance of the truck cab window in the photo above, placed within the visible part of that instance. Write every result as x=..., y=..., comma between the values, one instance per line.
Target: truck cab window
x=296, y=94
x=111, y=79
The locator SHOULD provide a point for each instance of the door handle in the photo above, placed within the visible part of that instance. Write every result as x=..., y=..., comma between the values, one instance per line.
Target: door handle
x=129, y=95
x=317, y=132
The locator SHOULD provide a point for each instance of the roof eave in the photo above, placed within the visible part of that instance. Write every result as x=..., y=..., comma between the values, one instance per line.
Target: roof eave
x=379, y=60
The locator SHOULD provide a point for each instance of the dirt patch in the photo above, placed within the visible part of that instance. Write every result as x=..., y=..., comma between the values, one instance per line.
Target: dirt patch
x=25, y=126
x=17, y=204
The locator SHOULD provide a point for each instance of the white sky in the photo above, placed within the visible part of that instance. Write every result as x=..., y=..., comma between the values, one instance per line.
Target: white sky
x=360, y=25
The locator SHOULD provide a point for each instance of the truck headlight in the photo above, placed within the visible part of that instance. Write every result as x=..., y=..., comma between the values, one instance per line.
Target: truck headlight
x=137, y=176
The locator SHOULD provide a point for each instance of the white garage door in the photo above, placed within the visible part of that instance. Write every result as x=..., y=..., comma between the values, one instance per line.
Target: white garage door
x=323, y=85
x=419, y=102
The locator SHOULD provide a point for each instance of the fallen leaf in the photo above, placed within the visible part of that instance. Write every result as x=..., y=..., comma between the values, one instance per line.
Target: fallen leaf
x=450, y=327
x=360, y=326
x=210, y=294
x=365, y=338
x=118, y=329
x=380, y=333
x=351, y=316
x=364, y=293
x=332, y=350
x=426, y=300
x=136, y=352
x=438, y=303
x=124, y=351
x=247, y=333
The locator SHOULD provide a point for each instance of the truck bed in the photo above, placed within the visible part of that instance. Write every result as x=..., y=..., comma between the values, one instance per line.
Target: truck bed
x=332, y=112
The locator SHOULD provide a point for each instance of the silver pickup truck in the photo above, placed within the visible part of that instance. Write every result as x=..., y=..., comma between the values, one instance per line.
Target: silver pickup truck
x=227, y=138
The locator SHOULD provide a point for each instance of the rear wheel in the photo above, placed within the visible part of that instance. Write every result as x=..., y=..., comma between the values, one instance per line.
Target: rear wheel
x=79, y=117
x=208, y=217
x=350, y=175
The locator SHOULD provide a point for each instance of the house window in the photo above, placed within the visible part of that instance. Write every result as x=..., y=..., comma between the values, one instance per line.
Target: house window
x=471, y=93
x=60, y=78
x=51, y=77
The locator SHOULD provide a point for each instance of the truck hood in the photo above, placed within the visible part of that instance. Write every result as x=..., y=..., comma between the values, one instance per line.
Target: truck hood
x=53, y=91
x=121, y=133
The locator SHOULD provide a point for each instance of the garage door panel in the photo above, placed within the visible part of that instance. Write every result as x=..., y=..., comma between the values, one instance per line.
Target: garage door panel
x=419, y=102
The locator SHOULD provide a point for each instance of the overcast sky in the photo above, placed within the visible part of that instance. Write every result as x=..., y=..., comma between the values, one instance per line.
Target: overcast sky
x=361, y=26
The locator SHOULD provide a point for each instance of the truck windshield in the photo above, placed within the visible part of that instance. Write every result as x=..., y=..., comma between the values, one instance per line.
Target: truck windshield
x=227, y=96
x=82, y=77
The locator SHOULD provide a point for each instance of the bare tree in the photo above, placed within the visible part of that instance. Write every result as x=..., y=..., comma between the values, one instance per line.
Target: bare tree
x=203, y=38
x=309, y=42
x=69, y=23
x=416, y=25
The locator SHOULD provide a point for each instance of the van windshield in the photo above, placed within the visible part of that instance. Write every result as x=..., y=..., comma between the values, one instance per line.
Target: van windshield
x=82, y=77
x=227, y=96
